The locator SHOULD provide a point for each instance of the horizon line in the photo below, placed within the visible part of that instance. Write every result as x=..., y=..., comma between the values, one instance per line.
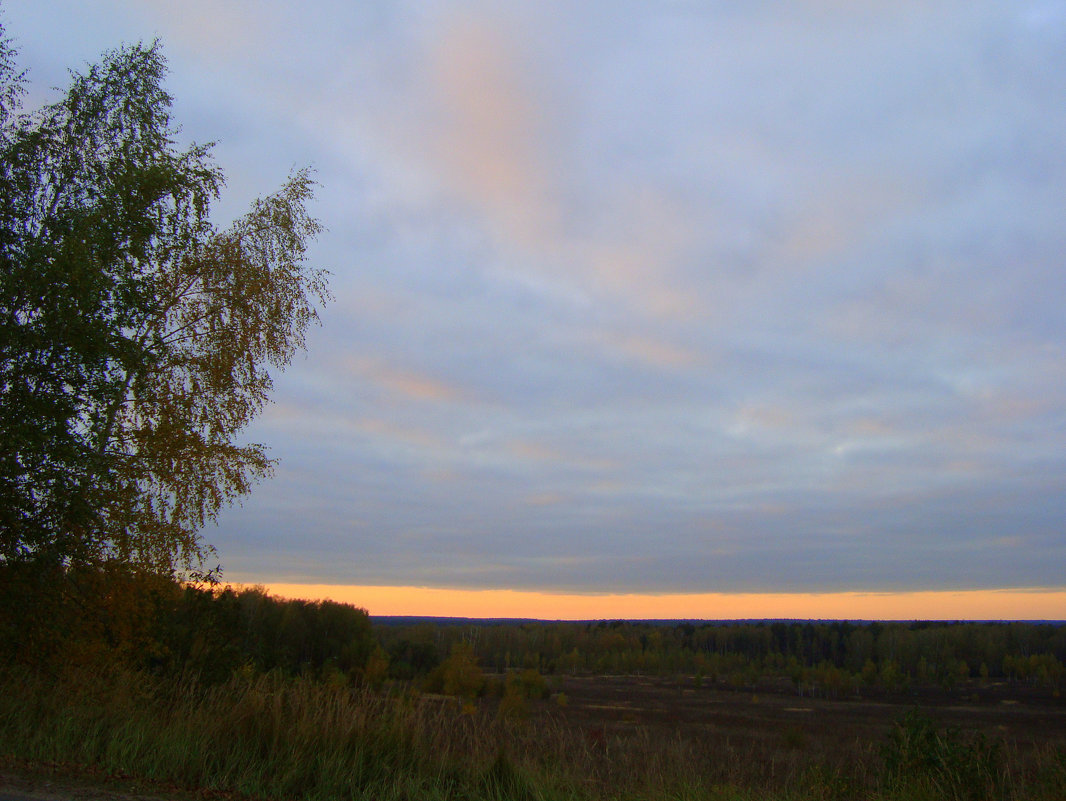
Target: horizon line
x=1002, y=604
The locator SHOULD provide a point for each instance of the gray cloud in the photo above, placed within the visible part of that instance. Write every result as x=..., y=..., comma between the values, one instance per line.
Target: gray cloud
x=656, y=297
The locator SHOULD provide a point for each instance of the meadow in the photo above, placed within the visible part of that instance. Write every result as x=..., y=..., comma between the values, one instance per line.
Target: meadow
x=593, y=737
x=222, y=693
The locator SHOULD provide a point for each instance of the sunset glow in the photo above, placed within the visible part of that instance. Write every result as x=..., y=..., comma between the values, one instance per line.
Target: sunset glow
x=1009, y=604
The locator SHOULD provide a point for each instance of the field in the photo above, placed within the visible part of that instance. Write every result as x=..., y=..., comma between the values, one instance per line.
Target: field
x=769, y=736
x=255, y=698
x=593, y=737
x=772, y=713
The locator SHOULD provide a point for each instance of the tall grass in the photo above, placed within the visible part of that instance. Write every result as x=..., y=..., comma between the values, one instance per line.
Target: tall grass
x=270, y=737
x=265, y=736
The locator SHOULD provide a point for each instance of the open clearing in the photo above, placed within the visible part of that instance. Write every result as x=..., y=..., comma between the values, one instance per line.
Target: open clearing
x=773, y=716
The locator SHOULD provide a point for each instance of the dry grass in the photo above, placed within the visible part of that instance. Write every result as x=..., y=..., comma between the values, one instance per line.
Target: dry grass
x=276, y=738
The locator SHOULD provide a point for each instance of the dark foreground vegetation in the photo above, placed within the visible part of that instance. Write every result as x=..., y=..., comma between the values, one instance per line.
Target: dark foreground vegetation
x=202, y=687
x=270, y=736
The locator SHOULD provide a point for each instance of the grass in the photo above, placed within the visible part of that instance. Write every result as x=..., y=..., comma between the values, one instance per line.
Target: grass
x=269, y=737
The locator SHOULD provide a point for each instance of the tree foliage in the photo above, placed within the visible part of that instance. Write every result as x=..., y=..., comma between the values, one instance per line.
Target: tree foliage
x=827, y=658
x=135, y=336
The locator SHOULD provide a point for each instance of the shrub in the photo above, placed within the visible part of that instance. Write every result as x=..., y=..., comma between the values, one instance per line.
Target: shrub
x=529, y=684
x=458, y=675
x=513, y=705
x=920, y=758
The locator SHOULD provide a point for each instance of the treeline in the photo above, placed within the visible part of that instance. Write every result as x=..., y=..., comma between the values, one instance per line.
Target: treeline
x=818, y=656
x=119, y=616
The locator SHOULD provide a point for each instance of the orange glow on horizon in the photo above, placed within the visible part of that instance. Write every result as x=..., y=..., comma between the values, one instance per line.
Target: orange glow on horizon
x=1004, y=604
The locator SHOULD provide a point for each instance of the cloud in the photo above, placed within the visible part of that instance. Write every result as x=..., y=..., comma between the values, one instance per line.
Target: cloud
x=495, y=128
x=750, y=298
x=545, y=499
x=647, y=349
x=410, y=435
x=226, y=30
x=401, y=383
x=534, y=451
x=488, y=129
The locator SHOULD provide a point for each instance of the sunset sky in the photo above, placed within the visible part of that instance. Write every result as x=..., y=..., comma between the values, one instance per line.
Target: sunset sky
x=736, y=304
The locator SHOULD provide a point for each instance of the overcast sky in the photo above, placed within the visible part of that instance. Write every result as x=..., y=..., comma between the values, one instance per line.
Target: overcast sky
x=645, y=297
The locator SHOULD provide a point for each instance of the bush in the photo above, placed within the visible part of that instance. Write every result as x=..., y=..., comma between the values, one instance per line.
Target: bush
x=919, y=758
x=458, y=675
x=528, y=684
x=513, y=705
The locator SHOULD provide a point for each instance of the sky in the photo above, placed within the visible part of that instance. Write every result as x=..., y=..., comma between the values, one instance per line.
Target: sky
x=647, y=300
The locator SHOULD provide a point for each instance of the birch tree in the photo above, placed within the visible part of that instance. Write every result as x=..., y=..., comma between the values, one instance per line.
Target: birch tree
x=136, y=337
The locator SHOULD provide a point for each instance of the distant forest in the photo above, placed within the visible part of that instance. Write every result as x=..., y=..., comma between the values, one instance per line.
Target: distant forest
x=210, y=632
x=819, y=657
